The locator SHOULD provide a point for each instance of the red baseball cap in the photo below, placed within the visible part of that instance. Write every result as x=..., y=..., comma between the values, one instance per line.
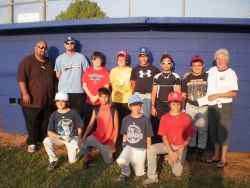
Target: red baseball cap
x=174, y=96
x=196, y=58
x=167, y=56
x=122, y=53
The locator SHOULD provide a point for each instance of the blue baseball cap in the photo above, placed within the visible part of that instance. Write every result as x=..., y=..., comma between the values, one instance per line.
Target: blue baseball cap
x=143, y=50
x=134, y=99
x=69, y=38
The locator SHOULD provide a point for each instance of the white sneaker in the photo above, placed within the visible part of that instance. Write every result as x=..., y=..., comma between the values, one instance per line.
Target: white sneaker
x=32, y=148
x=148, y=182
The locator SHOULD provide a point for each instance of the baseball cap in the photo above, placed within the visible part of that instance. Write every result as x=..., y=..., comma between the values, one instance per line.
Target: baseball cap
x=167, y=56
x=196, y=58
x=61, y=96
x=174, y=96
x=134, y=99
x=69, y=38
x=143, y=50
x=122, y=53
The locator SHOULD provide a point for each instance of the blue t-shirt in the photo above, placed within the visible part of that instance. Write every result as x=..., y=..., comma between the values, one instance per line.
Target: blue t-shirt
x=137, y=130
x=71, y=69
x=65, y=124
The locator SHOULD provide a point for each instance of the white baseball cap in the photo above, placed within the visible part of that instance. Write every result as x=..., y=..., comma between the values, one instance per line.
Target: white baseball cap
x=61, y=96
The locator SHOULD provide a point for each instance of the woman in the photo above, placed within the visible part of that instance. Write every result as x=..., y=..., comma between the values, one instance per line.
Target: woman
x=222, y=87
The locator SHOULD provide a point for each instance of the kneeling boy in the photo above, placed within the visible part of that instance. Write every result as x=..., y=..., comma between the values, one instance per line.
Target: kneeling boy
x=176, y=129
x=105, y=136
x=137, y=131
x=64, y=128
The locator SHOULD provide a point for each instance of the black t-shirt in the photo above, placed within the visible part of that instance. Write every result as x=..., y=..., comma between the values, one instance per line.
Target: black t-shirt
x=195, y=87
x=143, y=76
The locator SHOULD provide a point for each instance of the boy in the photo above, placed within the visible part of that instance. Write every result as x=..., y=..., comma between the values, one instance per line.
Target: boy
x=163, y=83
x=105, y=136
x=194, y=86
x=176, y=129
x=142, y=78
x=93, y=78
x=137, y=132
x=121, y=86
x=65, y=128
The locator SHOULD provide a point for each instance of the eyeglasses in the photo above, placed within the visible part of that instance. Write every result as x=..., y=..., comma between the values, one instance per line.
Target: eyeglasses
x=42, y=47
x=69, y=43
x=221, y=59
x=166, y=63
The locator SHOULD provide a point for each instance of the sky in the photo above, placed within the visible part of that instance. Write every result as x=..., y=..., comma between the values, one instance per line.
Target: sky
x=139, y=8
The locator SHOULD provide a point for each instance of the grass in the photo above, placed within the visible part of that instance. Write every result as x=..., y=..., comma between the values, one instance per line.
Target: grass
x=22, y=169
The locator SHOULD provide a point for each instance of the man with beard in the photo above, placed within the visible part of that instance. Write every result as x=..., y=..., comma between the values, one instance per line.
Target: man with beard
x=35, y=77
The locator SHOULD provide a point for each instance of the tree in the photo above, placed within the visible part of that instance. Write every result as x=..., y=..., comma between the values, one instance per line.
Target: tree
x=80, y=10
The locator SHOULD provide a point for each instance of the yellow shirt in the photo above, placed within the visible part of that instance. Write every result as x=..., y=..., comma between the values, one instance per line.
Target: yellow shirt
x=121, y=84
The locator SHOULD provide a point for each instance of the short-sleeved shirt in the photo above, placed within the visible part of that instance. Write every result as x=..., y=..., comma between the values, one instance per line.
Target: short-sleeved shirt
x=95, y=79
x=221, y=82
x=121, y=84
x=65, y=124
x=176, y=128
x=195, y=87
x=137, y=130
x=71, y=69
x=166, y=84
x=39, y=78
x=143, y=77
x=105, y=126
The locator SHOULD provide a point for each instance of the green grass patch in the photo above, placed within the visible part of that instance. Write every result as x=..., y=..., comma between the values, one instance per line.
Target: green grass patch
x=22, y=169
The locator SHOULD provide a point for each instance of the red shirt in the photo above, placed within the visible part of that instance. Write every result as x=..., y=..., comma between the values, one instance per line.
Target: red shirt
x=95, y=79
x=105, y=128
x=176, y=128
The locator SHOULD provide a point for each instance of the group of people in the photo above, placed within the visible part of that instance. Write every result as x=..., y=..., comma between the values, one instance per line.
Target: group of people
x=150, y=112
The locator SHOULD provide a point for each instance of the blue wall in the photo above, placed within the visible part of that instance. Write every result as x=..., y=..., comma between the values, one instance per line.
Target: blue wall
x=180, y=37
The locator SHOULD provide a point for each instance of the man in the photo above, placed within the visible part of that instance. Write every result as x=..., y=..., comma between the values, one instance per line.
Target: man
x=69, y=69
x=35, y=77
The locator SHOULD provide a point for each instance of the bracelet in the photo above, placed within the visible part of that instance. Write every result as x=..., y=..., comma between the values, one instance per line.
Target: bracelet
x=124, y=144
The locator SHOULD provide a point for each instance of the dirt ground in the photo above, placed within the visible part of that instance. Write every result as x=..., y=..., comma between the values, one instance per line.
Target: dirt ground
x=238, y=162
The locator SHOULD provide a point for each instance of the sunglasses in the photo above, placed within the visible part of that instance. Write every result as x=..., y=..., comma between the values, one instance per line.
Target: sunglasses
x=166, y=63
x=42, y=47
x=69, y=43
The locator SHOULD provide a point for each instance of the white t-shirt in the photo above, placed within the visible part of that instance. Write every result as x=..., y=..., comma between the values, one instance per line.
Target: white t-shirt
x=221, y=82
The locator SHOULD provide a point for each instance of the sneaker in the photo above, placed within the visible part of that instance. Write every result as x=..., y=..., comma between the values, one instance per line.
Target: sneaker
x=79, y=155
x=32, y=148
x=88, y=164
x=121, y=177
x=148, y=182
x=52, y=166
x=200, y=157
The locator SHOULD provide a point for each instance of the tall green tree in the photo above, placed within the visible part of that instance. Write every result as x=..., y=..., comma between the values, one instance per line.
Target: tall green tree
x=80, y=10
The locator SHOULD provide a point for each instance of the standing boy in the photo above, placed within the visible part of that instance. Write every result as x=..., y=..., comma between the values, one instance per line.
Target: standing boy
x=142, y=78
x=121, y=85
x=194, y=87
x=137, y=132
x=176, y=129
x=65, y=128
x=163, y=84
x=69, y=69
x=105, y=136
x=94, y=78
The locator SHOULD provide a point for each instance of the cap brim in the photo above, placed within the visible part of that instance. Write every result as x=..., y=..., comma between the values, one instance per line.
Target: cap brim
x=135, y=103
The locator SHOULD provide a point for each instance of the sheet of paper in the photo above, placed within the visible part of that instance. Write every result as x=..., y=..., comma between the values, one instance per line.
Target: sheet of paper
x=203, y=101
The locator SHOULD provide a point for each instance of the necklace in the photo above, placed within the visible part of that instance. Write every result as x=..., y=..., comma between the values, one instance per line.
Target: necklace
x=166, y=77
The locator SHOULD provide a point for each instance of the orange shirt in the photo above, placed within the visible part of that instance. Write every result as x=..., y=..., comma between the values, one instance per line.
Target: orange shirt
x=105, y=127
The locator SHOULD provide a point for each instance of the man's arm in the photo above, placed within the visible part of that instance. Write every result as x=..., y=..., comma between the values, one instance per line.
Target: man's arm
x=116, y=132
x=93, y=98
x=25, y=93
x=133, y=85
x=184, y=96
x=149, y=141
x=229, y=94
x=58, y=75
x=178, y=88
x=52, y=134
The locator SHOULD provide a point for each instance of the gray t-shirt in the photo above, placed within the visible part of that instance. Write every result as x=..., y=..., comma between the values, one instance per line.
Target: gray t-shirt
x=65, y=124
x=137, y=130
x=71, y=69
